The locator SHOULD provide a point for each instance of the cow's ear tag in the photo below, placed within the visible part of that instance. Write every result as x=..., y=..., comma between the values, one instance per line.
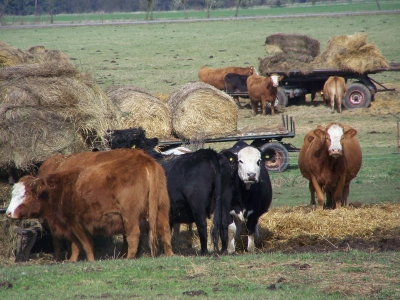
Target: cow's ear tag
x=266, y=156
x=134, y=146
x=230, y=159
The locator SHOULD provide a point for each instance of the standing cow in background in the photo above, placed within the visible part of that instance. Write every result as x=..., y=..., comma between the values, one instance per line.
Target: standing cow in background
x=216, y=77
x=330, y=158
x=263, y=89
x=107, y=197
x=334, y=91
x=252, y=191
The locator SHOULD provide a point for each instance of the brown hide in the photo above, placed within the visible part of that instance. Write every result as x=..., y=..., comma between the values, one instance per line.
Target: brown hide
x=260, y=89
x=107, y=197
x=215, y=77
x=327, y=174
x=334, y=91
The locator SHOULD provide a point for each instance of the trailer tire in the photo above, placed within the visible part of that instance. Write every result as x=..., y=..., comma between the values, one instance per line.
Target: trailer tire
x=277, y=157
x=281, y=98
x=357, y=96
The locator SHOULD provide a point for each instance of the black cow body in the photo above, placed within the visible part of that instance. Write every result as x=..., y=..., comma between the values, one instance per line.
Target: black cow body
x=236, y=84
x=252, y=191
x=198, y=184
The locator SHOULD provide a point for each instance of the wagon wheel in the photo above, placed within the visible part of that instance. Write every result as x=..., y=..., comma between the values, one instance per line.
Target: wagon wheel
x=357, y=96
x=276, y=157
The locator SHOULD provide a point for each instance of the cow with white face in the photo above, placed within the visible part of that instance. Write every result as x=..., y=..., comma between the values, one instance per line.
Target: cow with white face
x=252, y=191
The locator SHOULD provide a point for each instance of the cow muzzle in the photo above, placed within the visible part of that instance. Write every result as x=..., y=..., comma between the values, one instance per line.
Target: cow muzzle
x=335, y=153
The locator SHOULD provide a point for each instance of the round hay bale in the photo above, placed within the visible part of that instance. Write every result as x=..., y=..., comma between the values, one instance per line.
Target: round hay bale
x=10, y=56
x=141, y=109
x=293, y=43
x=42, y=115
x=285, y=62
x=200, y=111
x=350, y=53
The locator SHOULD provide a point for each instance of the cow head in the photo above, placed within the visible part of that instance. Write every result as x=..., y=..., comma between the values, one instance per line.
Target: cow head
x=275, y=78
x=246, y=159
x=253, y=71
x=334, y=134
x=130, y=138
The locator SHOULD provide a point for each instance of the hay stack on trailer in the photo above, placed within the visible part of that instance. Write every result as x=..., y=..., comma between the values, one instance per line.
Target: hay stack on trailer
x=289, y=52
x=351, y=52
x=200, y=111
x=48, y=107
x=140, y=109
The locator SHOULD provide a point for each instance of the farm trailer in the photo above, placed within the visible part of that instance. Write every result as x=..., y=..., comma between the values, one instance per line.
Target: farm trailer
x=295, y=85
x=278, y=151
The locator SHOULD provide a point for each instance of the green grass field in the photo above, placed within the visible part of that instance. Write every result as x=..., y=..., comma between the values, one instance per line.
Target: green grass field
x=161, y=57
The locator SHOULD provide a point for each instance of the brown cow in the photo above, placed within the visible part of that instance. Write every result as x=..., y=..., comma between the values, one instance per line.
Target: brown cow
x=216, y=77
x=333, y=91
x=330, y=158
x=263, y=89
x=109, y=197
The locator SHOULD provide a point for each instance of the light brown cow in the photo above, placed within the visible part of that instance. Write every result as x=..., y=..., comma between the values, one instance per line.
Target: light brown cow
x=263, y=89
x=330, y=158
x=334, y=91
x=216, y=77
x=109, y=197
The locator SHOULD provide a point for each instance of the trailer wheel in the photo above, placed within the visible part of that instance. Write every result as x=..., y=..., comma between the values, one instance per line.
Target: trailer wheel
x=276, y=157
x=281, y=98
x=357, y=96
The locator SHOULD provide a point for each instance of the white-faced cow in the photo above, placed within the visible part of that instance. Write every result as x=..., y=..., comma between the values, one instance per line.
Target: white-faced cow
x=263, y=89
x=334, y=91
x=252, y=191
x=215, y=77
x=107, y=194
x=330, y=158
x=195, y=185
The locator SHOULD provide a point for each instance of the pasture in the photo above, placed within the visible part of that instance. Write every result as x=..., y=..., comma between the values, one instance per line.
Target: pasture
x=161, y=57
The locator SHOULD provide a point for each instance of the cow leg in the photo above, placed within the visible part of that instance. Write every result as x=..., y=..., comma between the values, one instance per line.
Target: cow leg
x=318, y=190
x=272, y=108
x=132, y=238
x=254, y=107
x=231, y=238
x=338, y=193
x=202, y=230
x=332, y=99
x=346, y=192
x=76, y=248
x=57, y=242
x=236, y=98
x=163, y=229
x=86, y=240
x=339, y=103
x=264, y=107
x=250, y=243
x=176, y=229
x=312, y=192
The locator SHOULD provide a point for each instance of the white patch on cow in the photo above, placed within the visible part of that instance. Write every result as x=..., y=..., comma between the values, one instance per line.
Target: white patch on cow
x=231, y=238
x=177, y=151
x=275, y=80
x=250, y=243
x=335, y=133
x=17, y=198
x=249, y=213
x=249, y=159
x=237, y=217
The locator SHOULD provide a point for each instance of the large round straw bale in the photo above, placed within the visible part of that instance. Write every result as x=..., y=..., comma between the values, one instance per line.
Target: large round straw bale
x=200, y=111
x=292, y=43
x=351, y=53
x=285, y=62
x=42, y=115
x=141, y=109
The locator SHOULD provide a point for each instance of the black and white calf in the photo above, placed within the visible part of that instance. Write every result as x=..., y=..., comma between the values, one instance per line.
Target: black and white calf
x=252, y=191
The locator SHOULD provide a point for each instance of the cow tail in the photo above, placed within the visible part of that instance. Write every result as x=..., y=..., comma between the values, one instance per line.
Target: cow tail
x=217, y=220
x=155, y=194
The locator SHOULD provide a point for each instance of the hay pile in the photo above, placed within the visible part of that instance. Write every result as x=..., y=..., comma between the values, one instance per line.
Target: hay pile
x=48, y=107
x=289, y=52
x=351, y=53
x=292, y=228
x=140, y=109
x=199, y=111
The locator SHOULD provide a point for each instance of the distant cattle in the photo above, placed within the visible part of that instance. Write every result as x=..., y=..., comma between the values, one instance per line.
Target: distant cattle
x=334, y=91
x=330, y=158
x=215, y=77
x=108, y=196
x=195, y=186
x=252, y=191
x=236, y=84
x=263, y=89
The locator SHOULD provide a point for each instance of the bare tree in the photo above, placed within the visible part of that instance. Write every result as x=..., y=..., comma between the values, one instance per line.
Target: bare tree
x=51, y=11
x=379, y=6
x=184, y=9
x=208, y=4
x=237, y=7
x=149, y=10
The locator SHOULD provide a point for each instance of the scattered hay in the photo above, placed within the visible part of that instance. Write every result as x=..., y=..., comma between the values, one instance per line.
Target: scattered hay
x=200, y=111
x=49, y=108
x=289, y=52
x=292, y=228
x=140, y=109
x=351, y=53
